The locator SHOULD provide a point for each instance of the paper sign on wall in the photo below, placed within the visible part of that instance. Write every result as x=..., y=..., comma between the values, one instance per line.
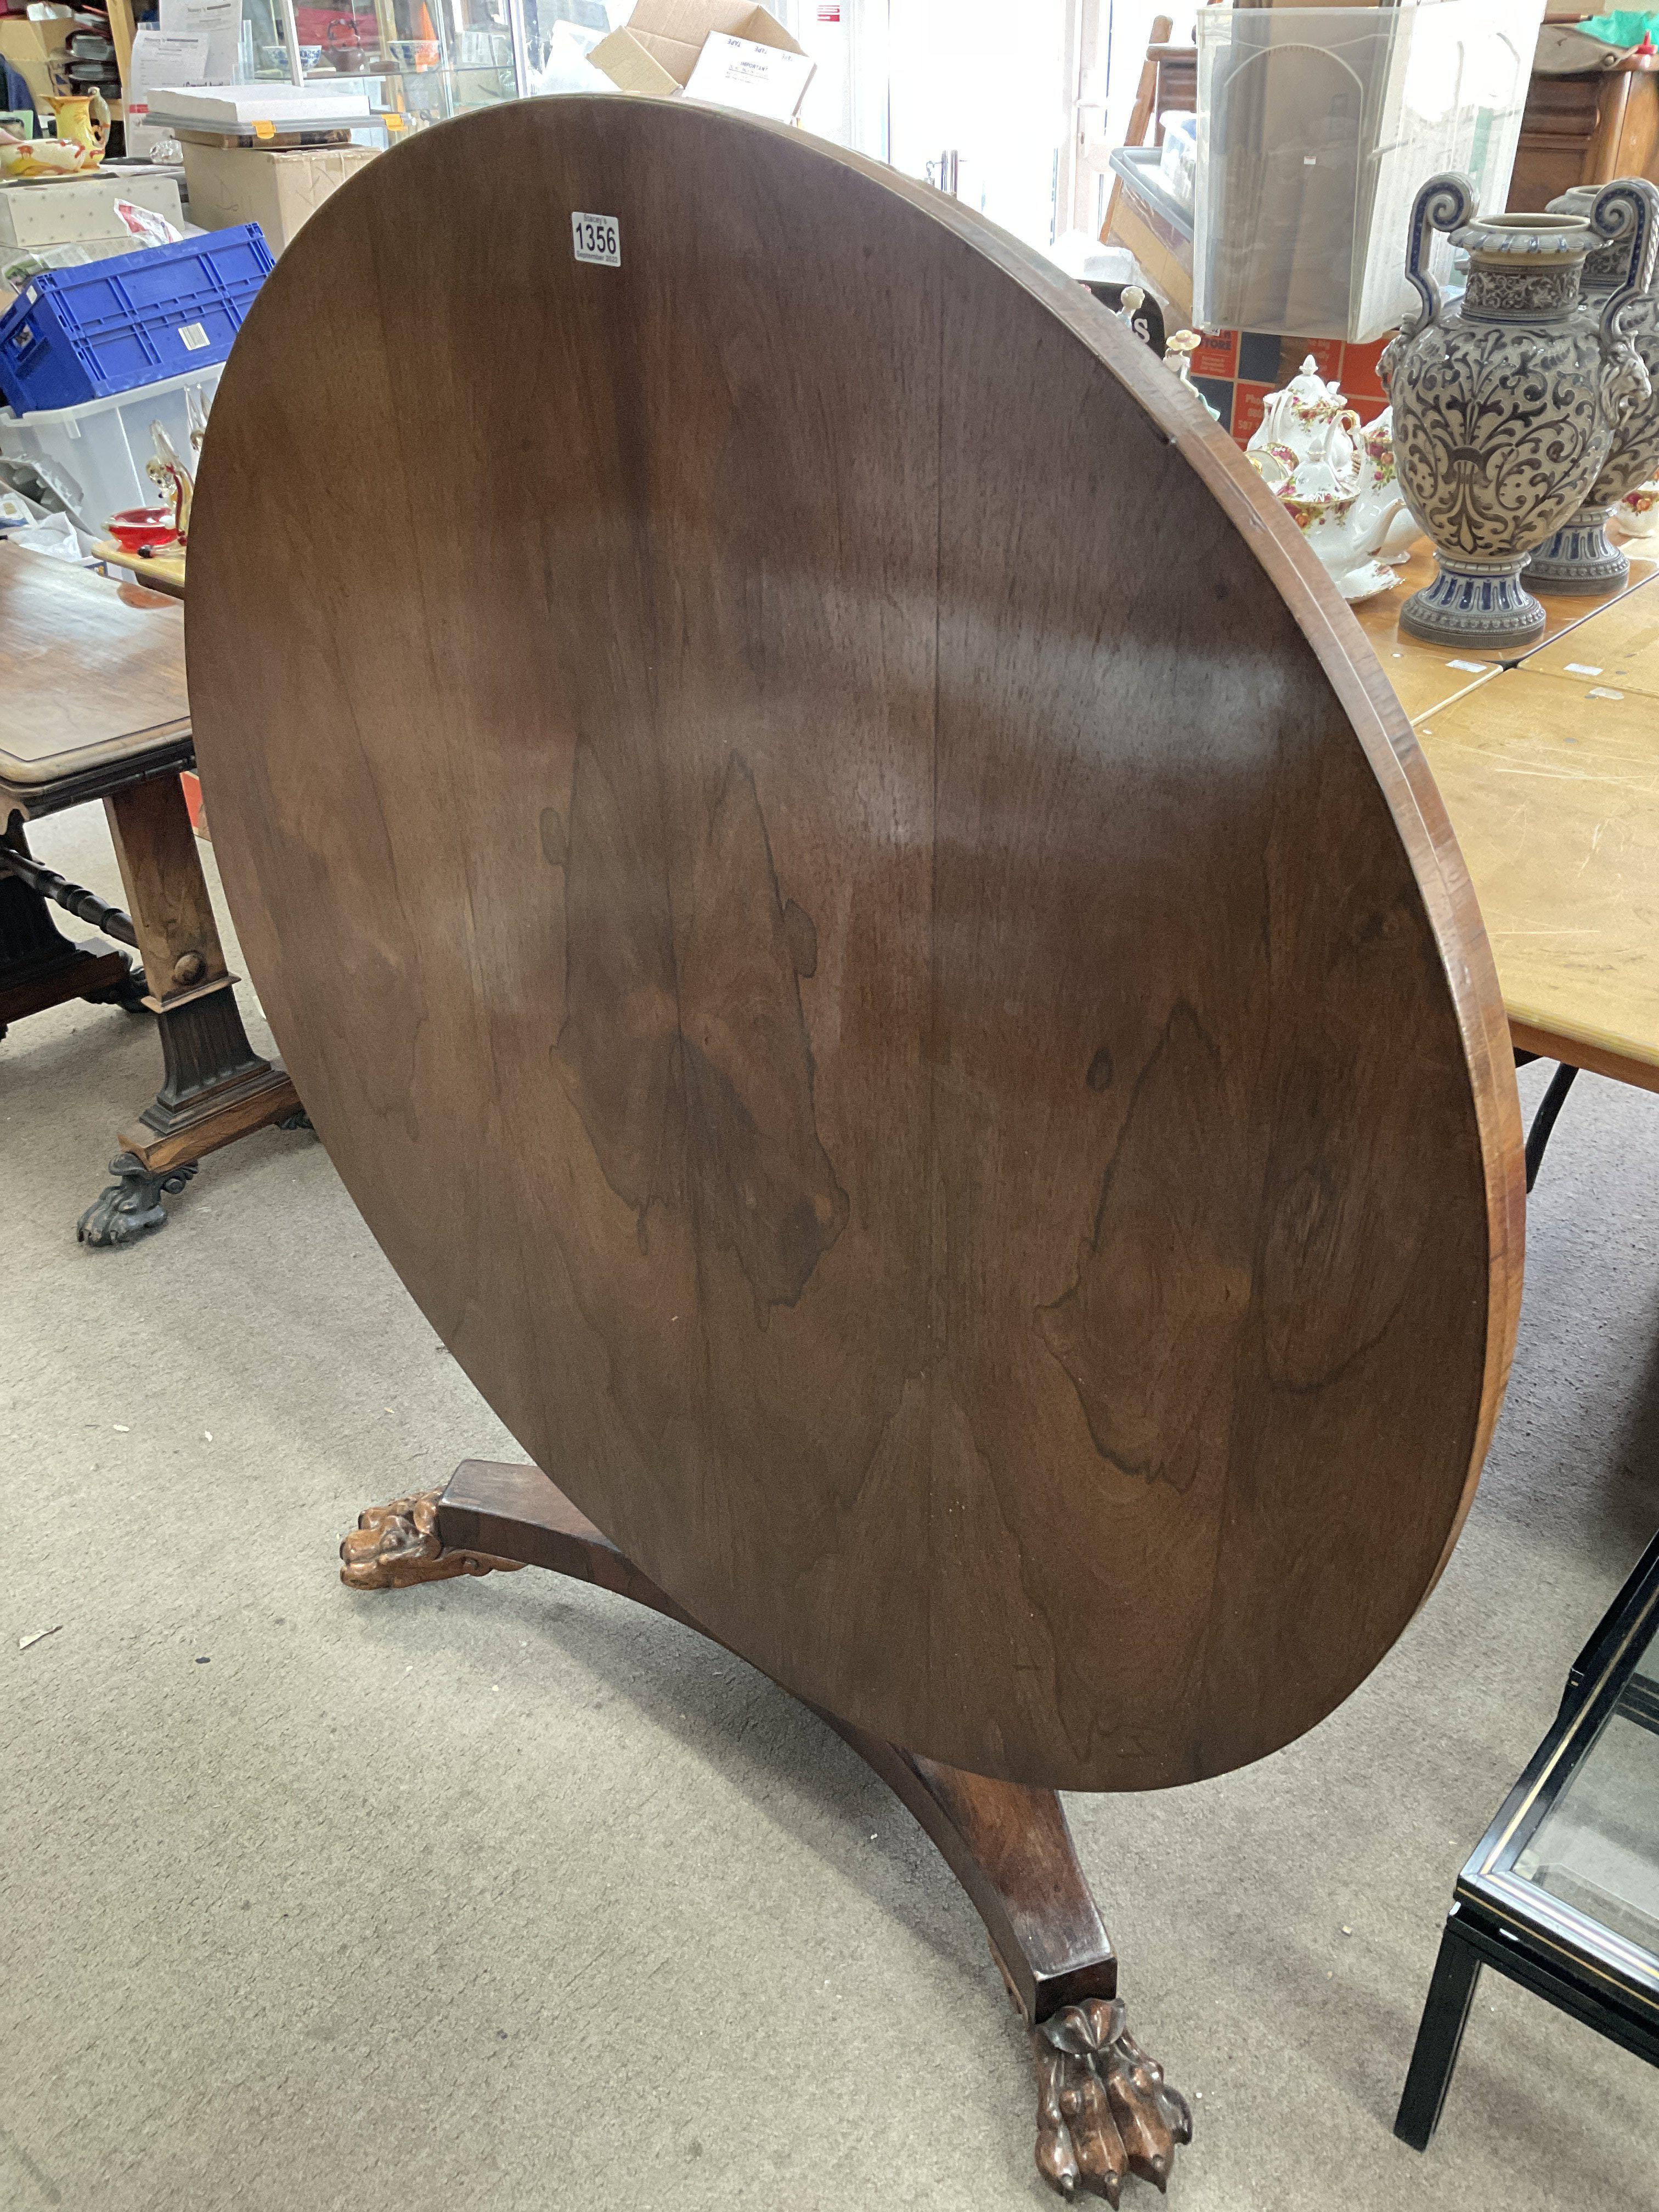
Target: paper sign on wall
x=218, y=22
x=158, y=60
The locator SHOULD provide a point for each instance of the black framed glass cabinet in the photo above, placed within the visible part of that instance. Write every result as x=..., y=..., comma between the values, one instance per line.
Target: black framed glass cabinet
x=1562, y=1894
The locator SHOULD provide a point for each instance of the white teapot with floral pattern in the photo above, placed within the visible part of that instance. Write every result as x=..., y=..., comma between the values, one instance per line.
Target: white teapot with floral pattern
x=1335, y=478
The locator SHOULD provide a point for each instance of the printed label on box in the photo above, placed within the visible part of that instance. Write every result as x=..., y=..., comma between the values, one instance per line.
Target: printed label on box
x=1248, y=409
x=1219, y=393
x=733, y=72
x=192, y=336
x=597, y=238
x=1217, y=356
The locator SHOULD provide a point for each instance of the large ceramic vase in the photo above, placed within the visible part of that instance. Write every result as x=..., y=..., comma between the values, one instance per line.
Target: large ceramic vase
x=1580, y=557
x=1505, y=402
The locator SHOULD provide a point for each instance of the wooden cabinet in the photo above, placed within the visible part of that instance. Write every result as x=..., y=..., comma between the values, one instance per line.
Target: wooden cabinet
x=1586, y=131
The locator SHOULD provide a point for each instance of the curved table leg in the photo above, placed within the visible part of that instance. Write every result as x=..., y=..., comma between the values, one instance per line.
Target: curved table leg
x=1548, y=1112
x=1104, y=2111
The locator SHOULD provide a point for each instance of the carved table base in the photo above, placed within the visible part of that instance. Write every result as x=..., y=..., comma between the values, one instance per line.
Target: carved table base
x=215, y=1088
x=393, y=1545
x=40, y=966
x=1105, y=2111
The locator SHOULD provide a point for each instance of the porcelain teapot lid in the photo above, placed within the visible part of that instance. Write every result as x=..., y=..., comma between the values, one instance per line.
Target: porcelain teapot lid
x=1311, y=391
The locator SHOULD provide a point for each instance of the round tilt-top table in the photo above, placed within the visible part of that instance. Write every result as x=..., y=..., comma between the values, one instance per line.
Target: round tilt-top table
x=868, y=937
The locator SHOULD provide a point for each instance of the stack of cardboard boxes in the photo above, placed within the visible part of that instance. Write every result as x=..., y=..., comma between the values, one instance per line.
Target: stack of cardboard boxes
x=660, y=47
x=38, y=53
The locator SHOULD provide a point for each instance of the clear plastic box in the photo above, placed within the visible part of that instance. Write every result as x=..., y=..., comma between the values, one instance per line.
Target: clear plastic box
x=1317, y=126
x=92, y=457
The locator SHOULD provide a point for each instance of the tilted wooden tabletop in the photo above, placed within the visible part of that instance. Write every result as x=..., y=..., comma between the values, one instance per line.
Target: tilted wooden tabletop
x=832, y=885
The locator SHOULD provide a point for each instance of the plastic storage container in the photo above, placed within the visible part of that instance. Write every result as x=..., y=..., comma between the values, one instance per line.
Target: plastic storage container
x=1316, y=128
x=93, y=456
x=52, y=213
x=79, y=334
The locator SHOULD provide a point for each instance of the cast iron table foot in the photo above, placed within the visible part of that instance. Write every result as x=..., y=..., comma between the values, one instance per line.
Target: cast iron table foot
x=132, y=1204
x=1104, y=2111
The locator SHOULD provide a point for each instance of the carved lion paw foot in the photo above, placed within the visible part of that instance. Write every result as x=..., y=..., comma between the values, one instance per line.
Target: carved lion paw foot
x=1104, y=2111
x=132, y=1205
x=393, y=1545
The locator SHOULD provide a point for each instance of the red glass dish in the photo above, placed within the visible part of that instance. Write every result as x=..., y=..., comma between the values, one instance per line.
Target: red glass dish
x=137, y=527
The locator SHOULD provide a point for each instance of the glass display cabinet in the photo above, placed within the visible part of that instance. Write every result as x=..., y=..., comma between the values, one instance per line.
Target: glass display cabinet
x=1563, y=1893
x=975, y=99
x=431, y=59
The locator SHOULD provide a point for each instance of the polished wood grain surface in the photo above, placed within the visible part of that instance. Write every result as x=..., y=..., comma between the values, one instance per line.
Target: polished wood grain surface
x=1552, y=782
x=1618, y=649
x=1426, y=676
x=1426, y=680
x=865, y=932
x=92, y=673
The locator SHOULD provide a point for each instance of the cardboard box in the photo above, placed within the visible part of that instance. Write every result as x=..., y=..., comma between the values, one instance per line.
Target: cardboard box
x=70, y=210
x=36, y=51
x=279, y=191
x=657, y=49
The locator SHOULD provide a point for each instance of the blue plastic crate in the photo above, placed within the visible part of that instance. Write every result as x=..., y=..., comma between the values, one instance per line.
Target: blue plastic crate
x=84, y=333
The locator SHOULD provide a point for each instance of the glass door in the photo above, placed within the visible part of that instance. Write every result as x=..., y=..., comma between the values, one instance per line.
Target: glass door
x=981, y=101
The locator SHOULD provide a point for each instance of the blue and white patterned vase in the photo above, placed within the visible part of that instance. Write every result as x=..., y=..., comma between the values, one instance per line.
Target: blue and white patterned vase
x=1506, y=402
x=1580, y=557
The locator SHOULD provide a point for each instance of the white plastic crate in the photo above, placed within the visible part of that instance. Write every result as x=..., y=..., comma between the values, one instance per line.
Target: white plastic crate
x=93, y=456
x=1317, y=126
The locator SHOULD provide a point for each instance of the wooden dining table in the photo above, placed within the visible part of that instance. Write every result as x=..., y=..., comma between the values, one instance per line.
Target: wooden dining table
x=1549, y=763
x=93, y=706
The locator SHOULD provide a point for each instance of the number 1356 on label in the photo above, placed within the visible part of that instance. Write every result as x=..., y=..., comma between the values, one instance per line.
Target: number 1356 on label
x=597, y=238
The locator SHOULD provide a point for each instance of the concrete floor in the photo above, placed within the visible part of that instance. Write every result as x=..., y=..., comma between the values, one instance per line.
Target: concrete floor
x=499, y=1895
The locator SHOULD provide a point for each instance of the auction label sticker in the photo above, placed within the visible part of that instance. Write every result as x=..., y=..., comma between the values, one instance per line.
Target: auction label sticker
x=597, y=238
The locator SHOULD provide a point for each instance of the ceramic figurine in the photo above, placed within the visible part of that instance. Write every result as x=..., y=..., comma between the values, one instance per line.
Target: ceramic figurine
x=1131, y=311
x=1505, y=402
x=1178, y=353
x=1336, y=480
x=1579, y=557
